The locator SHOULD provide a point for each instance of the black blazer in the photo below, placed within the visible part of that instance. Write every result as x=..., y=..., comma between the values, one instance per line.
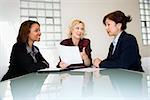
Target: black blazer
x=126, y=54
x=22, y=62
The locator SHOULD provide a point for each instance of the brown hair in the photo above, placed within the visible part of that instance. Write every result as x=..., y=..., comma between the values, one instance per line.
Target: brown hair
x=25, y=30
x=118, y=17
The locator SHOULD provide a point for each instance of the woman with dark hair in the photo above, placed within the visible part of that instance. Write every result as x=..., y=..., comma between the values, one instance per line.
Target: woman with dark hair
x=25, y=57
x=123, y=51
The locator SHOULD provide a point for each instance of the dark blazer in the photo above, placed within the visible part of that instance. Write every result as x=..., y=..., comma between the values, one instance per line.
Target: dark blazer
x=84, y=42
x=22, y=62
x=126, y=54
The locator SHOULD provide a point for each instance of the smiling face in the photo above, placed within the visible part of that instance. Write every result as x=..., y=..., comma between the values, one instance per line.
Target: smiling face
x=35, y=33
x=77, y=31
x=112, y=28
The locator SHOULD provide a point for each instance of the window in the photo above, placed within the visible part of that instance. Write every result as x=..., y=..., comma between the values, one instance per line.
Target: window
x=48, y=14
x=145, y=20
x=148, y=85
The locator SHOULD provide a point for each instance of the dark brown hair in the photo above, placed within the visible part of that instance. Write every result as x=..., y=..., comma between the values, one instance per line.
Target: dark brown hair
x=118, y=17
x=25, y=30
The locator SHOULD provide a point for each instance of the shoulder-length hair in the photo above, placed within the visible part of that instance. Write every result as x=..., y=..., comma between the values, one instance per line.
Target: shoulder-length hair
x=75, y=22
x=25, y=30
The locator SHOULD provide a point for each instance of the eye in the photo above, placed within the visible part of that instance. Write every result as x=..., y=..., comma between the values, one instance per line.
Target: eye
x=107, y=24
x=82, y=29
x=37, y=30
x=77, y=28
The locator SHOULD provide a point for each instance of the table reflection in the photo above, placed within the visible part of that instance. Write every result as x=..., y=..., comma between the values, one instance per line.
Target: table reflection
x=108, y=84
x=126, y=84
x=87, y=87
x=28, y=87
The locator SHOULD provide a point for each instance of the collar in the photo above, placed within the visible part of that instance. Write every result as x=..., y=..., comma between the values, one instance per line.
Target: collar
x=116, y=38
x=78, y=43
x=31, y=50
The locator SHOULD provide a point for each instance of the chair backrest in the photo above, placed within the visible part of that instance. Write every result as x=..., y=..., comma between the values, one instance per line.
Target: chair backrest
x=146, y=64
x=51, y=56
x=3, y=71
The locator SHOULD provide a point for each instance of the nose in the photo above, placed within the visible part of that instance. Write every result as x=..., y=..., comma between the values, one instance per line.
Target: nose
x=106, y=27
x=39, y=33
x=80, y=30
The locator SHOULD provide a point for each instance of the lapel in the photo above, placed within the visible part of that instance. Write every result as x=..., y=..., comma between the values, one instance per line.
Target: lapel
x=110, y=50
x=118, y=46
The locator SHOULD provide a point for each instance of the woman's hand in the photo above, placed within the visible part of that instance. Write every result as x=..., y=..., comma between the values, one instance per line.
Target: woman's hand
x=84, y=56
x=96, y=62
x=63, y=65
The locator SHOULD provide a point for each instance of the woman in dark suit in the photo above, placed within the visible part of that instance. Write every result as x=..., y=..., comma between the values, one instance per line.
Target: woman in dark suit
x=123, y=51
x=76, y=33
x=25, y=57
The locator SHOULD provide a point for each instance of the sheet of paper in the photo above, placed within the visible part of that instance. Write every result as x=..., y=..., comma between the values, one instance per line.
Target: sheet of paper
x=69, y=54
x=50, y=69
x=88, y=69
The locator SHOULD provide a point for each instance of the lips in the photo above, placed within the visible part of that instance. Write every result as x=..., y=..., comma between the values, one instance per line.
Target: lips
x=108, y=32
x=79, y=34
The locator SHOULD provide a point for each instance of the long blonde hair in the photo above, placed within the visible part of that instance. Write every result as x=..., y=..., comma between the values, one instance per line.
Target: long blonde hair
x=75, y=22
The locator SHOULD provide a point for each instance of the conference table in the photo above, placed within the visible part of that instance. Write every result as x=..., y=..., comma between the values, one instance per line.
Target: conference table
x=87, y=84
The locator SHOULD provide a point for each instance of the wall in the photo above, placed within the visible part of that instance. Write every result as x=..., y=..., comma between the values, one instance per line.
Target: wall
x=9, y=19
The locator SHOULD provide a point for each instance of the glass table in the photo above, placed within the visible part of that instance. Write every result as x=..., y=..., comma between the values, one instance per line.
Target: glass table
x=107, y=84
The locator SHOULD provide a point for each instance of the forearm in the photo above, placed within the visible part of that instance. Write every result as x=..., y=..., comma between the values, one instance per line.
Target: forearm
x=116, y=63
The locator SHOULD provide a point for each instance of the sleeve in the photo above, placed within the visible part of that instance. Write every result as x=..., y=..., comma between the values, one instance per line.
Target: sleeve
x=128, y=54
x=40, y=58
x=25, y=61
x=89, y=50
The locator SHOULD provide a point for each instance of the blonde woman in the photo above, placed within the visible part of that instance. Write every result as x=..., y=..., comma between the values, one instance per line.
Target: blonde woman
x=76, y=38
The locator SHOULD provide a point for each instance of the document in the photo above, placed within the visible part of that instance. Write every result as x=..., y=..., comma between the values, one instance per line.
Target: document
x=89, y=69
x=69, y=54
x=47, y=70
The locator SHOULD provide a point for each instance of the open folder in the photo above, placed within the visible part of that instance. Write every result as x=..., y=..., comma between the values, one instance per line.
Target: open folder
x=47, y=70
x=69, y=54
